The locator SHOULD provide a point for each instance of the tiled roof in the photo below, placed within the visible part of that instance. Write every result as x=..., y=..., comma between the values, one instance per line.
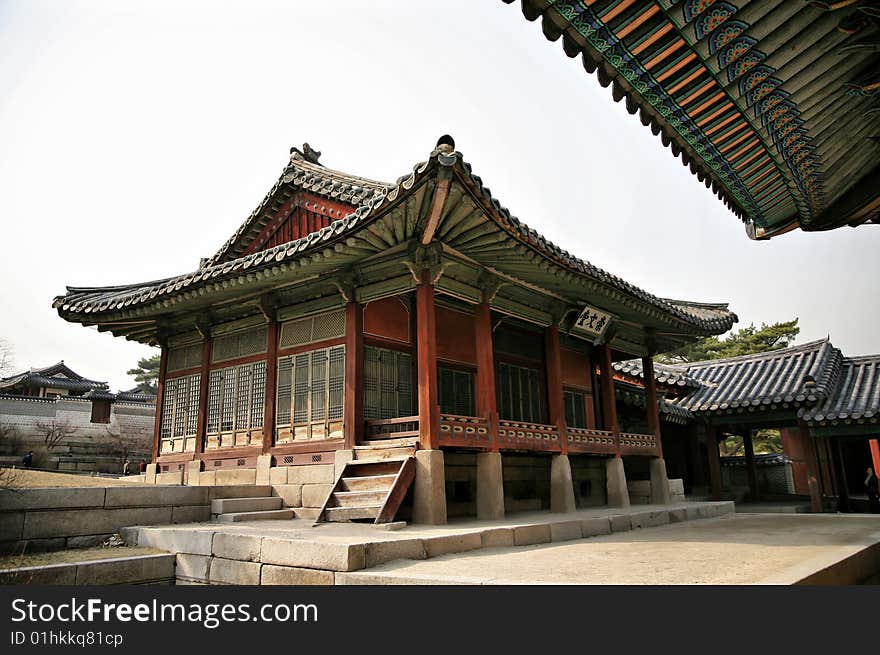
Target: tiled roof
x=664, y=374
x=856, y=396
x=803, y=374
x=770, y=104
x=47, y=377
x=88, y=303
x=635, y=396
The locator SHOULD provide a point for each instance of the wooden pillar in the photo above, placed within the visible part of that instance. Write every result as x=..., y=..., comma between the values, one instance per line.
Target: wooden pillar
x=751, y=468
x=271, y=386
x=814, y=474
x=875, y=455
x=204, y=377
x=555, y=400
x=486, y=398
x=606, y=381
x=840, y=470
x=714, y=462
x=652, y=409
x=426, y=331
x=353, y=412
x=160, y=400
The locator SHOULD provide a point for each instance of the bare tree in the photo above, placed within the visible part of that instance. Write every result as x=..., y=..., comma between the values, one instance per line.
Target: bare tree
x=6, y=359
x=56, y=432
x=126, y=444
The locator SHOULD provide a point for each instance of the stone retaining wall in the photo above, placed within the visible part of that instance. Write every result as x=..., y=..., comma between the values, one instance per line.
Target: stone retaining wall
x=134, y=569
x=34, y=520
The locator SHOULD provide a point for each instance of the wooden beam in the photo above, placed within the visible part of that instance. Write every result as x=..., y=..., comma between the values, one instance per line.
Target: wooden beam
x=271, y=387
x=160, y=393
x=714, y=462
x=204, y=376
x=555, y=401
x=652, y=409
x=437, y=204
x=353, y=412
x=487, y=401
x=426, y=338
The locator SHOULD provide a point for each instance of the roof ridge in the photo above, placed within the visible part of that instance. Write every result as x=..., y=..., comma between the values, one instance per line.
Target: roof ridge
x=741, y=358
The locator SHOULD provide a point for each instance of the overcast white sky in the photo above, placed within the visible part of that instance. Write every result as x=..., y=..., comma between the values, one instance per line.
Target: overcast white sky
x=136, y=137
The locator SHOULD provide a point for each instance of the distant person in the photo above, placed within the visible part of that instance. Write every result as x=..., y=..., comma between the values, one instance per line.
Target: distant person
x=28, y=459
x=872, y=488
x=126, y=468
x=143, y=466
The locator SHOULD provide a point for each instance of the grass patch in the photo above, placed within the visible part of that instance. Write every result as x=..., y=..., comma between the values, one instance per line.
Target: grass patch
x=73, y=555
x=23, y=478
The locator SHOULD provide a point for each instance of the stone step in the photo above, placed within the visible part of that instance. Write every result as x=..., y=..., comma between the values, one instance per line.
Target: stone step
x=358, y=498
x=241, y=491
x=368, y=483
x=372, y=467
x=352, y=513
x=270, y=515
x=390, y=443
x=382, y=452
x=307, y=513
x=232, y=505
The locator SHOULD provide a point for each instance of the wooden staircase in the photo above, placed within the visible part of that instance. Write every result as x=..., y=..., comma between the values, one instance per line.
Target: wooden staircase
x=373, y=485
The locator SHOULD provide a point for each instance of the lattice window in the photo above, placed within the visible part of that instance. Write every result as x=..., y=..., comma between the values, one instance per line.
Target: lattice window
x=180, y=411
x=387, y=383
x=311, y=394
x=183, y=357
x=519, y=393
x=236, y=402
x=314, y=328
x=575, y=409
x=456, y=391
x=240, y=344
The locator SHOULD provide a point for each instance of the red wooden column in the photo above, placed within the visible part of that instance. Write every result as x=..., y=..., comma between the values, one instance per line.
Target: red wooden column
x=814, y=472
x=486, y=398
x=353, y=412
x=204, y=376
x=651, y=408
x=426, y=334
x=714, y=462
x=271, y=386
x=875, y=455
x=606, y=382
x=160, y=398
x=555, y=401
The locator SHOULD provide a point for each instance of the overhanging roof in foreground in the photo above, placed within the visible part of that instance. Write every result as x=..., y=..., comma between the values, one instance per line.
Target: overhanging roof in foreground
x=771, y=103
x=385, y=220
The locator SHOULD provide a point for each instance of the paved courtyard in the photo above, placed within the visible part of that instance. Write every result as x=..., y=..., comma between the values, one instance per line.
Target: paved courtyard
x=734, y=549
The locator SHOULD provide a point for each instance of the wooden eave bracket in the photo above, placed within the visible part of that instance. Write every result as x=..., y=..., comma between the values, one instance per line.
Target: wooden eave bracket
x=426, y=259
x=490, y=285
x=347, y=284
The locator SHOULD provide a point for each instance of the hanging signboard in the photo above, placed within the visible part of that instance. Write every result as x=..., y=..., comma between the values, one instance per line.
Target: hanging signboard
x=593, y=322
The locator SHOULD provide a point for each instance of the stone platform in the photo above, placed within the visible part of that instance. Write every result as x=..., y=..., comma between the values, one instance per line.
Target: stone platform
x=300, y=552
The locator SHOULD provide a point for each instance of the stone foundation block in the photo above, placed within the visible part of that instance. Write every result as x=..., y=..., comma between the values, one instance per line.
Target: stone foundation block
x=152, y=497
x=676, y=486
x=193, y=567
x=314, y=495
x=312, y=555
x=264, y=466
x=242, y=547
x=429, y=488
x=207, y=478
x=595, y=527
x=341, y=458
x=54, y=574
x=126, y=570
x=170, y=477
x=621, y=523
x=456, y=543
x=677, y=515
x=659, y=482
x=278, y=475
x=191, y=514
x=78, y=522
x=291, y=494
x=194, y=542
x=150, y=474
x=565, y=531
x=193, y=472
x=490, y=486
x=229, y=571
x=497, y=538
x=311, y=474
x=615, y=483
x=291, y=575
x=235, y=476
x=12, y=525
x=22, y=499
x=527, y=535
x=387, y=551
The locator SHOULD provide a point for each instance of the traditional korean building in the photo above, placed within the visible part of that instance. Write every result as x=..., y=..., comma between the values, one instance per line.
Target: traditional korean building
x=772, y=104
x=399, y=330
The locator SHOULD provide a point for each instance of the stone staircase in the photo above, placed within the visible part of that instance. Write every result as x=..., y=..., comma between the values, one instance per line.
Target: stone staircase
x=373, y=485
x=258, y=508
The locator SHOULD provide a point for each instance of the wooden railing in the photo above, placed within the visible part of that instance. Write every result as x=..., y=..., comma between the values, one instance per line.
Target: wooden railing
x=528, y=436
x=391, y=428
x=465, y=431
x=638, y=444
x=600, y=442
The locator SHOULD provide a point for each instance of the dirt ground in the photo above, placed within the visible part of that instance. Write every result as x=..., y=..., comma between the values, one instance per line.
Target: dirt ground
x=24, y=478
x=740, y=549
x=73, y=555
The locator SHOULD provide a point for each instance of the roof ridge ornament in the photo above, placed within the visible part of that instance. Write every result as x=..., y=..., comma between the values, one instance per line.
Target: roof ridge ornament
x=307, y=153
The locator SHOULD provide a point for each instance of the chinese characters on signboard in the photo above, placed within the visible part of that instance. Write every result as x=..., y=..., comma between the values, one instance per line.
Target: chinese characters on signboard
x=592, y=321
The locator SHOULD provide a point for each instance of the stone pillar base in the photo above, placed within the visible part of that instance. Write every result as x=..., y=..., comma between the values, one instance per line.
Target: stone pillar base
x=429, y=495
x=150, y=475
x=490, y=486
x=659, y=482
x=264, y=468
x=561, y=485
x=340, y=459
x=615, y=483
x=193, y=472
